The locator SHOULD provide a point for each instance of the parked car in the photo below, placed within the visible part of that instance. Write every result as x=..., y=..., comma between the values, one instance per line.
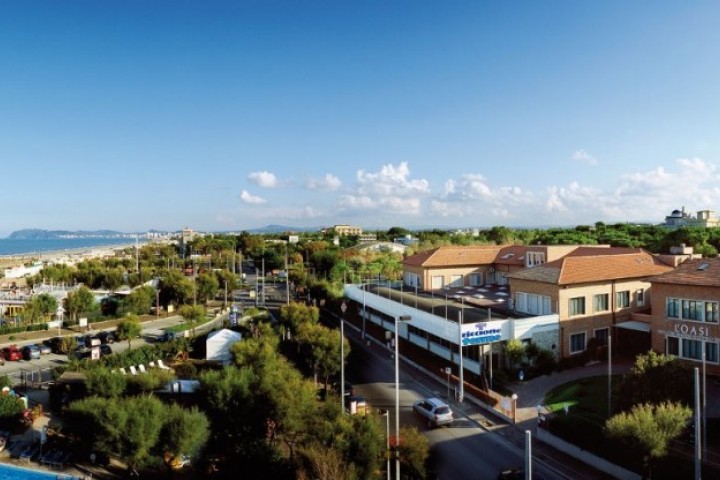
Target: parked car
x=80, y=353
x=59, y=344
x=105, y=350
x=44, y=349
x=435, y=411
x=106, y=337
x=30, y=352
x=12, y=353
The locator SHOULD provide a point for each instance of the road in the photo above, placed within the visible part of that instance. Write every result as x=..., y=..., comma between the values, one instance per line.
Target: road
x=463, y=450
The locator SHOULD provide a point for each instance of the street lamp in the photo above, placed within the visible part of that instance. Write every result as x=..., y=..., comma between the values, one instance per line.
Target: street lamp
x=386, y=414
x=401, y=318
x=343, y=307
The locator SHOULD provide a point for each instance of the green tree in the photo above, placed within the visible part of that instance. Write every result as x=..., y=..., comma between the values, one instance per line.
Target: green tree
x=140, y=300
x=80, y=301
x=192, y=314
x=175, y=289
x=207, y=287
x=129, y=328
x=104, y=383
x=414, y=450
x=321, y=347
x=11, y=408
x=46, y=304
x=296, y=314
x=655, y=378
x=515, y=351
x=184, y=432
x=649, y=428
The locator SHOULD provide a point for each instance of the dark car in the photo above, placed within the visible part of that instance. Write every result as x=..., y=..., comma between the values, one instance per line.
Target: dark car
x=80, y=353
x=12, y=353
x=44, y=349
x=105, y=350
x=30, y=352
x=105, y=337
x=57, y=344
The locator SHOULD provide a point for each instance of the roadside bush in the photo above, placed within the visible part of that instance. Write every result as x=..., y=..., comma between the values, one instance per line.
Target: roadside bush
x=185, y=370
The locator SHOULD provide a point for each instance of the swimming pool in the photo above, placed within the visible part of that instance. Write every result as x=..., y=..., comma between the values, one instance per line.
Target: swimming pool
x=11, y=472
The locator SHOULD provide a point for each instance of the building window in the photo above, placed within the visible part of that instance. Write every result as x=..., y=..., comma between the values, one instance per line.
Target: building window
x=711, y=312
x=640, y=297
x=711, y=352
x=532, y=303
x=534, y=258
x=673, y=308
x=692, y=310
x=673, y=346
x=601, y=302
x=623, y=299
x=601, y=335
x=577, y=342
x=691, y=349
x=577, y=306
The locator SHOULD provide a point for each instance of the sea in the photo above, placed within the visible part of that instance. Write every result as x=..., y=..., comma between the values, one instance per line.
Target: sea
x=12, y=246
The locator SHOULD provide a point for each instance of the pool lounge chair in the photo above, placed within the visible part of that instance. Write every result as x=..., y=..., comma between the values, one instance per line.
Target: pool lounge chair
x=29, y=452
x=61, y=460
x=122, y=370
x=141, y=367
x=151, y=364
x=133, y=370
x=162, y=365
x=50, y=456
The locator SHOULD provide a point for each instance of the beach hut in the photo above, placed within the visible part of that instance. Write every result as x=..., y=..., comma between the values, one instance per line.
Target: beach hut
x=218, y=345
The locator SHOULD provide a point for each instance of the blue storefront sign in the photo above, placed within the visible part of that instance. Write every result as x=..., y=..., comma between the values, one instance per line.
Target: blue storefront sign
x=482, y=333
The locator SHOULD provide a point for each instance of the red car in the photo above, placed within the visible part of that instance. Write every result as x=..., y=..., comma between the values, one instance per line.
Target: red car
x=12, y=353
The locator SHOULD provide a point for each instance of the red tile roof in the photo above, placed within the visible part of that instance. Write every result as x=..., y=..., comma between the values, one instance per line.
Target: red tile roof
x=455, y=256
x=699, y=272
x=595, y=266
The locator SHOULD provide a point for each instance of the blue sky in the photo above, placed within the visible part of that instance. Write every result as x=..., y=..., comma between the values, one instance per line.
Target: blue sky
x=136, y=115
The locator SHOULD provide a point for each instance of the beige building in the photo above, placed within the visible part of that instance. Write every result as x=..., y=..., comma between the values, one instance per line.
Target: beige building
x=477, y=265
x=685, y=312
x=344, y=230
x=592, y=290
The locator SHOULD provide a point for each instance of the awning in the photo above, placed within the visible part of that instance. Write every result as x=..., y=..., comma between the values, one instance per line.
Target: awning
x=634, y=325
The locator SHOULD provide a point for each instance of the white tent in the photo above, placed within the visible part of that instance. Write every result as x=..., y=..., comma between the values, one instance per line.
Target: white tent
x=218, y=345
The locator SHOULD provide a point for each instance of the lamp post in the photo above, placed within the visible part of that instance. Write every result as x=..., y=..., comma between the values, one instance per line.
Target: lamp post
x=401, y=318
x=386, y=414
x=343, y=307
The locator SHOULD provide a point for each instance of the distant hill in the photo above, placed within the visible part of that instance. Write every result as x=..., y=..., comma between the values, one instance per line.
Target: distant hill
x=282, y=229
x=38, y=234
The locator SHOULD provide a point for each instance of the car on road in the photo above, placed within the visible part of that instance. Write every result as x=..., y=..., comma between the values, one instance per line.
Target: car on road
x=106, y=337
x=44, y=349
x=30, y=352
x=434, y=411
x=105, y=350
x=12, y=353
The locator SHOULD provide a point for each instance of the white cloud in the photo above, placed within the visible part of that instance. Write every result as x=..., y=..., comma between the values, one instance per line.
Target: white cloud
x=390, y=180
x=246, y=197
x=328, y=182
x=584, y=157
x=263, y=179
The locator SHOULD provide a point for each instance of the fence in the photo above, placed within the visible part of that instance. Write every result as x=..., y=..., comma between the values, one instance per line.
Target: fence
x=31, y=377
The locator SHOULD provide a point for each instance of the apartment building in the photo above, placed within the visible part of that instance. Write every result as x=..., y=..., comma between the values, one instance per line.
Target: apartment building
x=591, y=290
x=685, y=312
x=476, y=265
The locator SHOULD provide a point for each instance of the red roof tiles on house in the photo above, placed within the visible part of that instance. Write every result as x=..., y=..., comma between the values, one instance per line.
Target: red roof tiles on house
x=596, y=267
x=698, y=272
x=455, y=256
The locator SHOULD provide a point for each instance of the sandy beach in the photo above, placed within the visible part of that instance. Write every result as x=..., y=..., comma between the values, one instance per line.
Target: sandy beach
x=71, y=255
